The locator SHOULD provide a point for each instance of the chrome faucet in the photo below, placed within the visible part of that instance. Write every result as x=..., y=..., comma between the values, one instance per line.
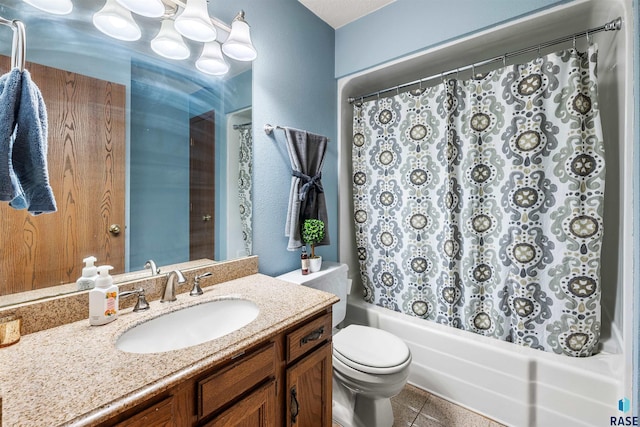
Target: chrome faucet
x=152, y=265
x=170, y=287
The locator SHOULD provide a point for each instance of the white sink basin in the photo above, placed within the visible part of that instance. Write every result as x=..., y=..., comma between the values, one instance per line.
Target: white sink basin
x=189, y=326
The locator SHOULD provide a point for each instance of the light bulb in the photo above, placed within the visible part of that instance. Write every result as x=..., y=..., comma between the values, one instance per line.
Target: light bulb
x=211, y=61
x=117, y=22
x=194, y=22
x=57, y=7
x=169, y=43
x=238, y=45
x=150, y=8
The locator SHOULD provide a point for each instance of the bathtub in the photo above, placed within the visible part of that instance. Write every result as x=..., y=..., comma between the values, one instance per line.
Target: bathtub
x=513, y=385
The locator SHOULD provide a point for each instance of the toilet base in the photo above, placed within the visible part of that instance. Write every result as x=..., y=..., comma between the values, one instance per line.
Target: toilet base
x=352, y=409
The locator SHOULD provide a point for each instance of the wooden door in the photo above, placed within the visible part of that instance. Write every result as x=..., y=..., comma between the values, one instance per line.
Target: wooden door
x=86, y=152
x=255, y=410
x=202, y=186
x=309, y=390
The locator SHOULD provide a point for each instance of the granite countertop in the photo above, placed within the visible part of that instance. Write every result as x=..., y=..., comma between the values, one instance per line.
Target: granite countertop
x=74, y=375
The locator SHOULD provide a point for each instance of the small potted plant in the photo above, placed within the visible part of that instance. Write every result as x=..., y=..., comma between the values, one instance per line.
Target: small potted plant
x=312, y=234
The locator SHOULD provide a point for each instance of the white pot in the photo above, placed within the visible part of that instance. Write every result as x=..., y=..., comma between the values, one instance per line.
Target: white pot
x=315, y=264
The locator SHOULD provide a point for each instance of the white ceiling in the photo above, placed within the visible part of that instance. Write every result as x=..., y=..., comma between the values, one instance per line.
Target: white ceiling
x=340, y=12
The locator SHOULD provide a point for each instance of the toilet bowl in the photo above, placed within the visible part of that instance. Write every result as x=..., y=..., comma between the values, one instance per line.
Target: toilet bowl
x=369, y=365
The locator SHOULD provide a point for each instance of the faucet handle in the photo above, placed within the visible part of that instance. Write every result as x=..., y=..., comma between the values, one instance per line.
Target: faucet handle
x=142, y=303
x=197, y=290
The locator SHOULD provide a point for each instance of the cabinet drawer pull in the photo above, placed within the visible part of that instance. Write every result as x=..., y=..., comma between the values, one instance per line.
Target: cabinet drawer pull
x=295, y=408
x=313, y=336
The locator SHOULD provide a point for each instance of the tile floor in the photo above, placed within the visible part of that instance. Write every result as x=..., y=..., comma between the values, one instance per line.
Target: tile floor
x=414, y=407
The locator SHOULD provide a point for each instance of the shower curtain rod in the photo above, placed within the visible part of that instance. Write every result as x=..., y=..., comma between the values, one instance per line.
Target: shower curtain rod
x=614, y=25
x=19, y=44
x=242, y=125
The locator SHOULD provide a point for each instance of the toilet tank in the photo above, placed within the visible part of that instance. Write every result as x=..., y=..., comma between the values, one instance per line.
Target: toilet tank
x=333, y=278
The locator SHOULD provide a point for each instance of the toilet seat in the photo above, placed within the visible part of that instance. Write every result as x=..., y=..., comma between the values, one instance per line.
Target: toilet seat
x=371, y=350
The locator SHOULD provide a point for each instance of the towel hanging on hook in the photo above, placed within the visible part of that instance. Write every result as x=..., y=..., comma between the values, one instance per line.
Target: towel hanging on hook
x=19, y=44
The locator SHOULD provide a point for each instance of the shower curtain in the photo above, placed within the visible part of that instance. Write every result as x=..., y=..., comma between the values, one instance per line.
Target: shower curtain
x=245, y=185
x=478, y=203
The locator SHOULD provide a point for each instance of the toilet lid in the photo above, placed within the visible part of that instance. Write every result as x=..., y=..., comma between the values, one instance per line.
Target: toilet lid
x=370, y=349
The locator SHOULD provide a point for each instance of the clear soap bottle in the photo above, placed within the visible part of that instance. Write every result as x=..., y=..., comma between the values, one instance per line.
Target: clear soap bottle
x=89, y=274
x=103, y=299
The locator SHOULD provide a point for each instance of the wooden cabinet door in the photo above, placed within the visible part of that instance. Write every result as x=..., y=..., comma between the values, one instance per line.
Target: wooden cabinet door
x=256, y=410
x=86, y=165
x=309, y=390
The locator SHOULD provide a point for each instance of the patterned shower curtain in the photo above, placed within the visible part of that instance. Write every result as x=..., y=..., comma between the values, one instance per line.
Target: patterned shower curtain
x=478, y=204
x=245, y=185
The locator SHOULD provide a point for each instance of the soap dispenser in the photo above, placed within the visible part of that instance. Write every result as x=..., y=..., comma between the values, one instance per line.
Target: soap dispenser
x=89, y=274
x=103, y=299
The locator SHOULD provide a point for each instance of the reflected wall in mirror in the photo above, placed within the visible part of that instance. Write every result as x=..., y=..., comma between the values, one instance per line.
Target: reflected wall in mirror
x=144, y=154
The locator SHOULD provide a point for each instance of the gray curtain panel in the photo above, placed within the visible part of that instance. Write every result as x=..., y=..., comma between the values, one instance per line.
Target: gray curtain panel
x=306, y=196
x=478, y=203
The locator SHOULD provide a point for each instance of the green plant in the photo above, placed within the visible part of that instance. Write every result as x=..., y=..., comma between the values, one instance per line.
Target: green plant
x=312, y=233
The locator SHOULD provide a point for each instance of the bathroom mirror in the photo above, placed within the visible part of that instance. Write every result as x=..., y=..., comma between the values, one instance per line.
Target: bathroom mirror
x=129, y=184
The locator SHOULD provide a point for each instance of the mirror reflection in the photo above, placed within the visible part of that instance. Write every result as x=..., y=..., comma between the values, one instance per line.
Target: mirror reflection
x=148, y=158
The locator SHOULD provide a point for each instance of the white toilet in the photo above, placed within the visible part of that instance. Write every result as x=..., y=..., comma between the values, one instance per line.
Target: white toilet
x=369, y=365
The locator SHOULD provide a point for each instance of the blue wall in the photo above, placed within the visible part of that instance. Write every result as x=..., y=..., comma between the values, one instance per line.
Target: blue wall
x=293, y=85
x=408, y=26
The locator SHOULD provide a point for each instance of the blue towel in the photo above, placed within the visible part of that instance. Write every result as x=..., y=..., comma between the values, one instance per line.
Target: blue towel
x=10, y=87
x=27, y=162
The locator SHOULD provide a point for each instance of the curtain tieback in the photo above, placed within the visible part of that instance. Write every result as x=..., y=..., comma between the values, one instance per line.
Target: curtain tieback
x=308, y=183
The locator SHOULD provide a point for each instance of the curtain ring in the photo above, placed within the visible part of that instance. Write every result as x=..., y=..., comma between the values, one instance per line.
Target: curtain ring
x=473, y=71
x=420, y=85
x=588, y=39
x=539, y=51
x=504, y=60
x=574, y=42
x=457, y=73
x=442, y=77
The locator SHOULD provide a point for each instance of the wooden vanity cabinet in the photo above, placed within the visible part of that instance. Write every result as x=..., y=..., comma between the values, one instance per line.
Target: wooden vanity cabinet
x=309, y=374
x=285, y=381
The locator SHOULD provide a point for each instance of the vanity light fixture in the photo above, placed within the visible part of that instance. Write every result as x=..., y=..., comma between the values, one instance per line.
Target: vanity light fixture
x=188, y=18
x=194, y=22
x=149, y=8
x=116, y=21
x=211, y=60
x=238, y=45
x=168, y=43
x=57, y=7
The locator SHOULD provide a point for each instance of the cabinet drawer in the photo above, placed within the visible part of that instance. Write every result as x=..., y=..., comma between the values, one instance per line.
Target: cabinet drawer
x=160, y=415
x=308, y=336
x=224, y=386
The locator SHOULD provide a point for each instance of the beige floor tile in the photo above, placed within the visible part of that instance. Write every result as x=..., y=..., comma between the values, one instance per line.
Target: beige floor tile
x=412, y=397
x=451, y=415
x=414, y=407
x=423, y=420
x=403, y=415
